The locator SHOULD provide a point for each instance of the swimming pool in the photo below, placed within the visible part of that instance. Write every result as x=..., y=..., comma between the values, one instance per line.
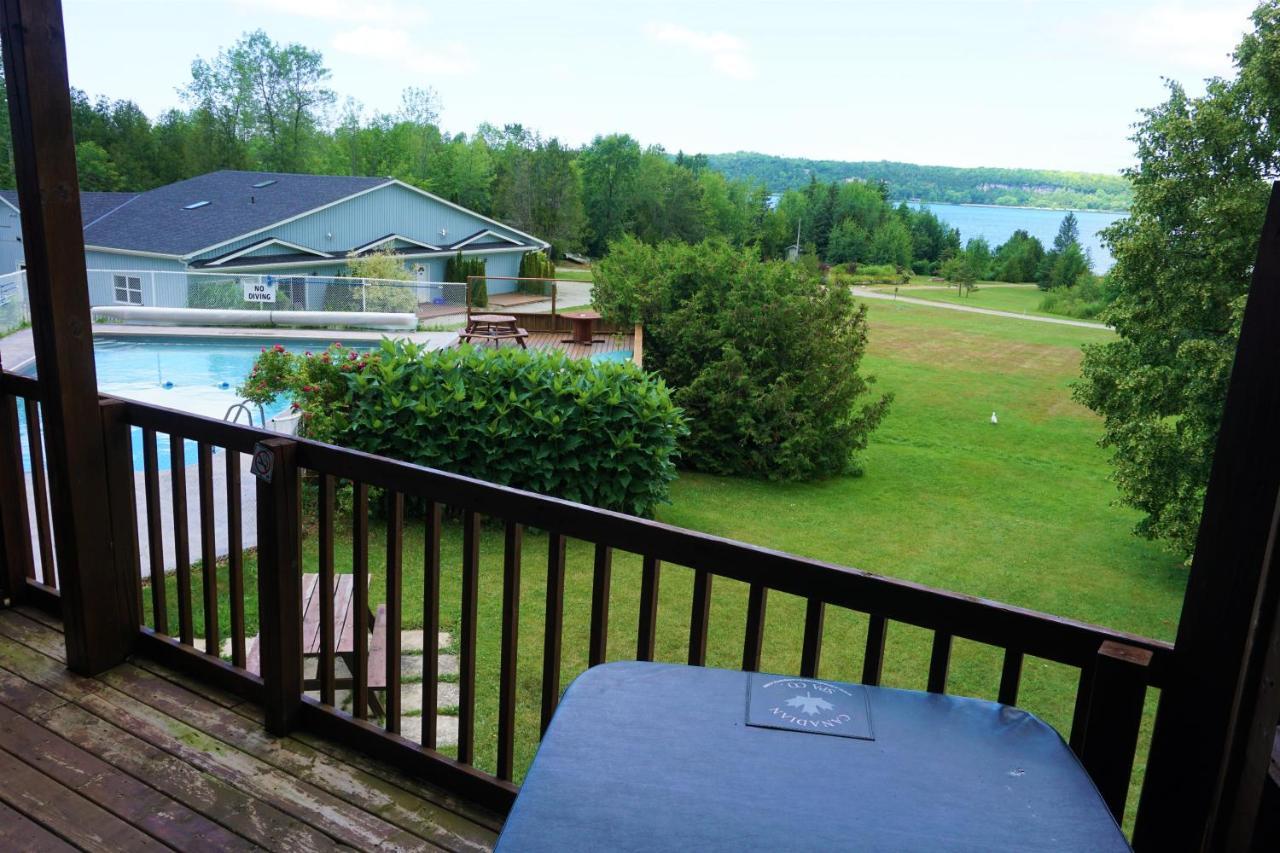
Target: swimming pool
x=191, y=374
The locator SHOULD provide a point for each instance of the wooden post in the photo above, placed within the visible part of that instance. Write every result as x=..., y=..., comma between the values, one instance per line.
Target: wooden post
x=1114, y=715
x=1205, y=771
x=279, y=582
x=96, y=584
x=122, y=499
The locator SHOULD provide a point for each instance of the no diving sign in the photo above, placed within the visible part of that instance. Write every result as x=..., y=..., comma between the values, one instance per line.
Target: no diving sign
x=259, y=291
x=264, y=462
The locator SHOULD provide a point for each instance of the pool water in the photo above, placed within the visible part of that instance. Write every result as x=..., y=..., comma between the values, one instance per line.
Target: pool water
x=190, y=374
x=614, y=355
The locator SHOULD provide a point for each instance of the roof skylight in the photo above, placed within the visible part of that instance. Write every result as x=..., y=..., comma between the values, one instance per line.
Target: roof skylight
x=194, y=205
x=260, y=184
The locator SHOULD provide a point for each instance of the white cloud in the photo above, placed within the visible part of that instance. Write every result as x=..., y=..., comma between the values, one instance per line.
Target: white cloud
x=1200, y=39
x=341, y=10
x=729, y=55
x=397, y=48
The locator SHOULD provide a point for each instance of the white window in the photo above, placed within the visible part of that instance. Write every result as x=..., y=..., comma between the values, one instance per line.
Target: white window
x=128, y=289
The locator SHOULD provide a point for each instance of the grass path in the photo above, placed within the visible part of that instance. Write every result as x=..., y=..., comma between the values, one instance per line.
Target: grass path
x=1021, y=512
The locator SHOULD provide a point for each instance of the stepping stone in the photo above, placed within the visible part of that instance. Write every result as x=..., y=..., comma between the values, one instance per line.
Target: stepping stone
x=411, y=641
x=446, y=730
x=411, y=697
x=411, y=665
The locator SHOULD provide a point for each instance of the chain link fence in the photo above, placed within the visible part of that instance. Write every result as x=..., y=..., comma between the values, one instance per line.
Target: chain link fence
x=273, y=292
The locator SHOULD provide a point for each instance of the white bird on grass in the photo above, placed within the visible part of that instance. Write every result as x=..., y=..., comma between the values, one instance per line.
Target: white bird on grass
x=993, y=418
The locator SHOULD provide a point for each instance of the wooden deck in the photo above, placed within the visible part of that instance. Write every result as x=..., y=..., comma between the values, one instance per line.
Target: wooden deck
x=143, y=758
x=555, y=340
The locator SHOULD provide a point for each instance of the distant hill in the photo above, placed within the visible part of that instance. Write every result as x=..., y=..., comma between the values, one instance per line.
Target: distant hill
x=1025, y=187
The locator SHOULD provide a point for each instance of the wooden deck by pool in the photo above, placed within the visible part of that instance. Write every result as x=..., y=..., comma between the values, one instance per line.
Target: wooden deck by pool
x=556, y=340
x=143, y=758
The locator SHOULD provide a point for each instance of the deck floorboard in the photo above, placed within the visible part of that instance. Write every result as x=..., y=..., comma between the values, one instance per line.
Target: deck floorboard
x=154, y=761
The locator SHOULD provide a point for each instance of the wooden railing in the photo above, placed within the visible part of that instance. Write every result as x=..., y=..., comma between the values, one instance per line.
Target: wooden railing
x=1114, y=669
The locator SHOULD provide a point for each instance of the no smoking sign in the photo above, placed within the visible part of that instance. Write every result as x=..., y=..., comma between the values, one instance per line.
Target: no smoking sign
x=263, y=463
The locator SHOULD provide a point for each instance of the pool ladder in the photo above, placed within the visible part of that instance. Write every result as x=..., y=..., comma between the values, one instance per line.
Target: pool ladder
x=233, y=414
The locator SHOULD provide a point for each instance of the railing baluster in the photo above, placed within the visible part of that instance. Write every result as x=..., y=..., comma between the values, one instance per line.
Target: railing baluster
x=1119, y=689
x=510, y=649
x=181, y=544
x=753, y=636
x=811, y=647
x=467, y=638
x=939, y=662
x=699, y=618
x=208, y=548
x=1080, y=716
x=40, y=493
x=646, y=635
x=553, y=624
x=235, y=558
x=326, y=592
x=873, y=658
x=19, y=562
x=1010, y=677
x=360, y=599
x=155, y=535
x=395, y=584
x=599, y=643
x=430, y=622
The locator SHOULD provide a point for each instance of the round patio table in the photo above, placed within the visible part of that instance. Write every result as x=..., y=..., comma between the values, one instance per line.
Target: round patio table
x=583, y=327
x=491, y=321
x=645, y=756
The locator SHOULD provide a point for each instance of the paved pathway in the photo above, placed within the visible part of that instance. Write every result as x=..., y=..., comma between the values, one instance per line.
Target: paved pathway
x=864, y=293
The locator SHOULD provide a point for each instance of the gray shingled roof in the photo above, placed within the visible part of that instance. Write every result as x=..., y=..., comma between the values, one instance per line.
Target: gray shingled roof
x=92, y=205
x=155, y=221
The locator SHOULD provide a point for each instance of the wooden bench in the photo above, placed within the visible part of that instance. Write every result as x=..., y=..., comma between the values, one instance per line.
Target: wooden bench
x=344, y=642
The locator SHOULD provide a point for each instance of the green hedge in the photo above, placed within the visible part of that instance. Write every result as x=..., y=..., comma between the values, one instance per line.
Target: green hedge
x=460, y=269
x=603, y=434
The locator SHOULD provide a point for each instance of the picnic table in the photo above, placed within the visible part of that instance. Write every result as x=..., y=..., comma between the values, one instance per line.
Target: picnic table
x=583, y=327
x=494, y=327
x=344, y=624
x=647, y=756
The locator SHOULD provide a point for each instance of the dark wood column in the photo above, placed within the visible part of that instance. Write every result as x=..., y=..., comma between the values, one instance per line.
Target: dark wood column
x=96, y=593
x=1213, y=731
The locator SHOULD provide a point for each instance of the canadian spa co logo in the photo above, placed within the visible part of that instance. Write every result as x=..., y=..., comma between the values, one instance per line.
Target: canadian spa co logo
x=809, y=705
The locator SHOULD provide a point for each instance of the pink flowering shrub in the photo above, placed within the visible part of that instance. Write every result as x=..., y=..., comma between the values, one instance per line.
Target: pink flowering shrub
x=313, y=383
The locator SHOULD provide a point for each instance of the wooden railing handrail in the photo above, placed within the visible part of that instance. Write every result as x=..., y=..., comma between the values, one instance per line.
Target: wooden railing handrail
x=983, y=620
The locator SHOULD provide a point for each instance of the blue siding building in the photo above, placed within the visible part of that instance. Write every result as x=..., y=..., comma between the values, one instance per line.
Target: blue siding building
x=275, y=224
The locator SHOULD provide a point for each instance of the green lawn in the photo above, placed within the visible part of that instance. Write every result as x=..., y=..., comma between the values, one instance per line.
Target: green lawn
x=574, y=273
x=1021, y=512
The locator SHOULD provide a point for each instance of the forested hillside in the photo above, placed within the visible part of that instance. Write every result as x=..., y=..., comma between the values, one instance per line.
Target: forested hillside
x=1026, y=187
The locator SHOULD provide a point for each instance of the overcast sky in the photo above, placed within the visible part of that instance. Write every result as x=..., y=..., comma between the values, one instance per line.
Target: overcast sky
x=996, y=83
